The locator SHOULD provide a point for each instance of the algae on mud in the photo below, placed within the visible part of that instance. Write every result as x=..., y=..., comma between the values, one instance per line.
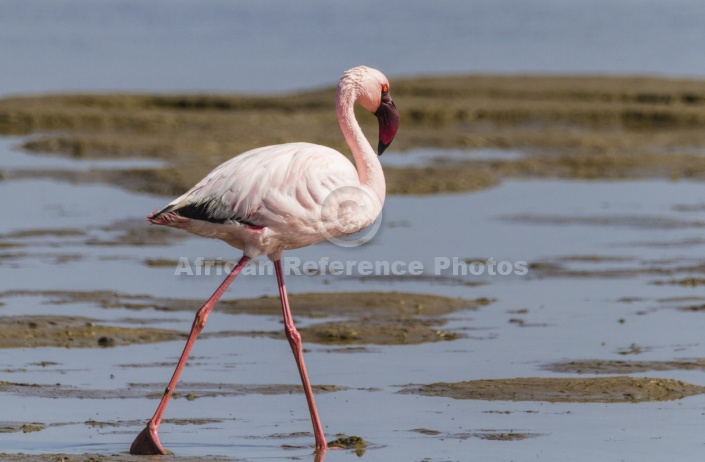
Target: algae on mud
x=619, y=389
x=584, y=127
x=379, y=318
x=493, y=435
x=598, y=366
x=188, y=390
x=74, y=332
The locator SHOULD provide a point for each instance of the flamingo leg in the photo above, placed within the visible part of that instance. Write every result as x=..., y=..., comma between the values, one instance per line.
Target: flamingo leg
x=295, y=342
x=147, y=442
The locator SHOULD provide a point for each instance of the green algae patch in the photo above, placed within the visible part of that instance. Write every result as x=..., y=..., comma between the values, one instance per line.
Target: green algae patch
x=355, y=443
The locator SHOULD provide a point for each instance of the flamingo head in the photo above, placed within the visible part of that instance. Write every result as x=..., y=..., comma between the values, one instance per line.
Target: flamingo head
x=373, y=94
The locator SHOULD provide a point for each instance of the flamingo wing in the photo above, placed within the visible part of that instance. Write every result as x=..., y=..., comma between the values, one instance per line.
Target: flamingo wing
x=266, y=186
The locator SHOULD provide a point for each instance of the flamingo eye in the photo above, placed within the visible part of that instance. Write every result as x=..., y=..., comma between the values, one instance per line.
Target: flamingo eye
x=385, y=88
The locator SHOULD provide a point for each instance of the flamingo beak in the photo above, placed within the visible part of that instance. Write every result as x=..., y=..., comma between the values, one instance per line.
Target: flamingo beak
x=388, y=118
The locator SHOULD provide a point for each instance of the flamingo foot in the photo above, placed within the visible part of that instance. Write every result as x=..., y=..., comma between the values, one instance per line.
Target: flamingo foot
x=147, y=442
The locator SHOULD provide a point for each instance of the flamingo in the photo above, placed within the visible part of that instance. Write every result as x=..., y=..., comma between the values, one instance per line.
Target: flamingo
x=282, y=197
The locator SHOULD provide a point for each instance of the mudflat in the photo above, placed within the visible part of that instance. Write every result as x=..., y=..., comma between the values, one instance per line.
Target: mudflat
x=578, y=127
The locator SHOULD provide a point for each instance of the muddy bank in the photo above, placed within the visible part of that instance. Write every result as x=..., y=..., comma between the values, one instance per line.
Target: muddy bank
x=576, y=390
x=188, y=390
x=493, y=435
x=598, y=366
x=18, y=246
x=378, y=318
x=588, y=127
x=74, y=332
x=616, y=266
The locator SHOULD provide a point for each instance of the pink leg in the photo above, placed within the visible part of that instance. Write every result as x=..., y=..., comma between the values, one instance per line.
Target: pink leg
x=147, y=442
x=295, y=341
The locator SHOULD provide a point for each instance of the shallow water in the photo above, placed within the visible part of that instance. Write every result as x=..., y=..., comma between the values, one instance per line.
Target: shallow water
x=425, y=157
x=590, y=293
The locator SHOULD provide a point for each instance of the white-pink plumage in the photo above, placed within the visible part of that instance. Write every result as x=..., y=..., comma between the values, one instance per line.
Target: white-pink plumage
x=282, y=197
x=272, y=199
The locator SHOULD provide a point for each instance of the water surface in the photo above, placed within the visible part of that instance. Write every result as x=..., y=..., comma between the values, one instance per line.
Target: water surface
x=265, y=46
x=613, y=232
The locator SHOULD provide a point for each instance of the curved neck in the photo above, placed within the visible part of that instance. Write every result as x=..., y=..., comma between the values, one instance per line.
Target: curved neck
x=369, y=169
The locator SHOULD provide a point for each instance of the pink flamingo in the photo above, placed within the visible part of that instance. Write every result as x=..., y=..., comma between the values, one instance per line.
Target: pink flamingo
x=284, y=197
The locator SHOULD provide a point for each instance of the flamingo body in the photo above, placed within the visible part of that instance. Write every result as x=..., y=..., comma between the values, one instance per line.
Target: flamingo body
x=283, y=197
x=271, y=199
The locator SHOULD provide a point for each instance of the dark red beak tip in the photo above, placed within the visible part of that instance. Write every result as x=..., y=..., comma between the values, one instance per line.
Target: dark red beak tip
x=388, y=117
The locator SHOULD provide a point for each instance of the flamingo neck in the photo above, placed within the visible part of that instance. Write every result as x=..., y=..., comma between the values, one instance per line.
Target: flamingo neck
x=369, y=169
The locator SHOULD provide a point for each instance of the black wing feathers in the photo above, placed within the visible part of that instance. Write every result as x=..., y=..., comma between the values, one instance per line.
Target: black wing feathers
x=204, y=211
